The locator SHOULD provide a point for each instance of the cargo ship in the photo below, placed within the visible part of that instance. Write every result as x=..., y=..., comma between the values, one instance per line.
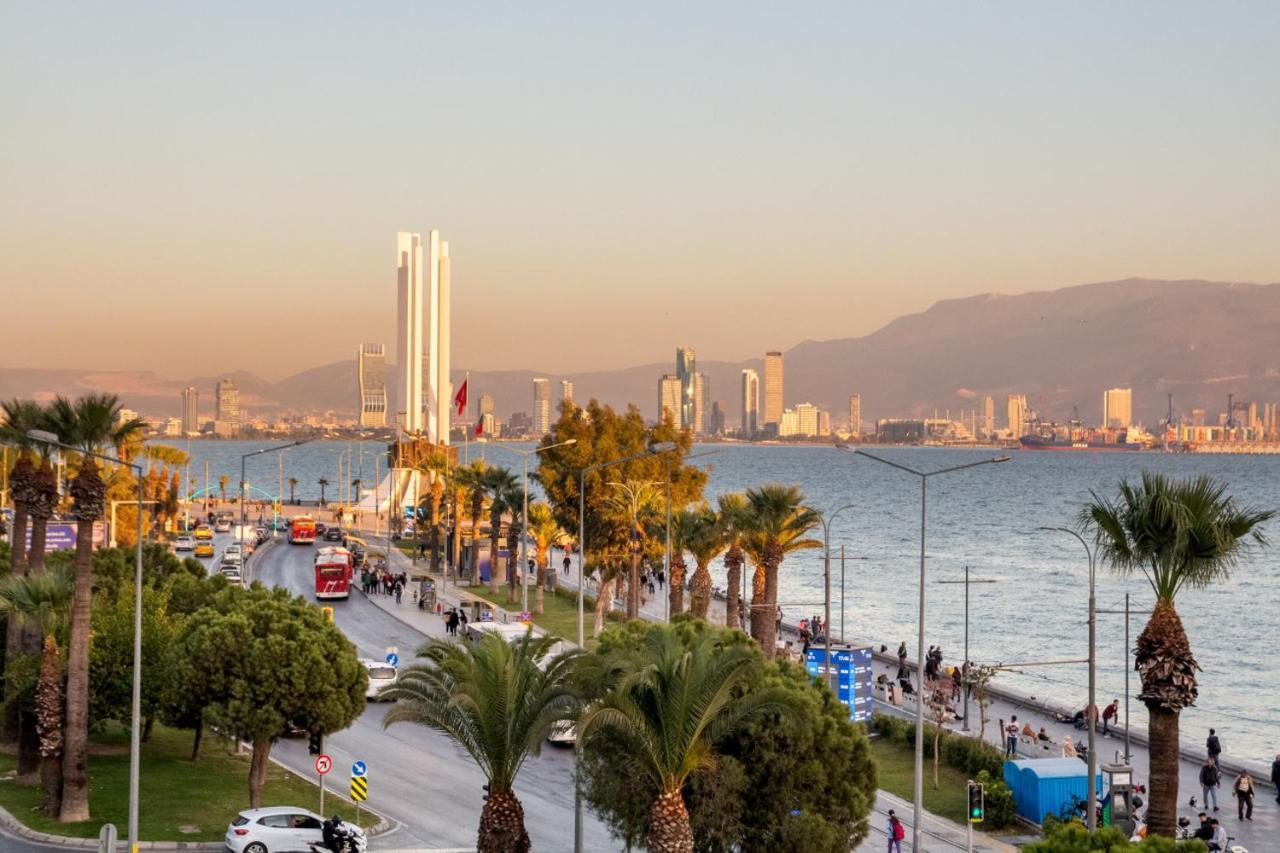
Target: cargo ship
x=1056, y=442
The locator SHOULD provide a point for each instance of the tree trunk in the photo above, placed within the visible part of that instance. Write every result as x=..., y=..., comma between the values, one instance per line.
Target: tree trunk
x=502, y=825
x=1162, y=794
x=772, y=559
x=195, y=743
x=49, y=705
x=13, y=626
x=28, y=771
x=29, y=760
x=633, y=585
x=669, y=829
x=676, y=582
x=258, y=770
x=495, y=576
x=542, y=582
x=75, y=778
x=604, y=597
x=1167, y=669
x=700, y=594
x=733, y=580
x=760, y=612
x=475, y=550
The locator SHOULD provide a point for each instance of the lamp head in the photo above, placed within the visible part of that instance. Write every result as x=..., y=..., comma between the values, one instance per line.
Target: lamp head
x=662, y=447
x=43, y=436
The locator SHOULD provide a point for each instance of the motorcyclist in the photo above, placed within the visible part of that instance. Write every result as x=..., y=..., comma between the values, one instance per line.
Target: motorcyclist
x=331, y=834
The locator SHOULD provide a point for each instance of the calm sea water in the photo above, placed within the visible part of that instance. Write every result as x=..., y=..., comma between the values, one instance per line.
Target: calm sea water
x=986, y=518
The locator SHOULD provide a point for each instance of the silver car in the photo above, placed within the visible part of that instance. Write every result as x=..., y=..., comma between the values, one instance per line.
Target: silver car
x=380, y=675
x=278, y=829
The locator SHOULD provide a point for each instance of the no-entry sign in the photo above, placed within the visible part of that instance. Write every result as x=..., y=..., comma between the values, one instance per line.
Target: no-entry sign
x=323, y=764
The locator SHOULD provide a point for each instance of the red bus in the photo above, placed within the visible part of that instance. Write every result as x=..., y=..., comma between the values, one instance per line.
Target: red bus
x=302, y=530
x=334, y=567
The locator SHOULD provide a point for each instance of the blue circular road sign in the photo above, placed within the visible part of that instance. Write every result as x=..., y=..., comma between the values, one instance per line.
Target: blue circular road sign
x=359, y=769
x=393, y=659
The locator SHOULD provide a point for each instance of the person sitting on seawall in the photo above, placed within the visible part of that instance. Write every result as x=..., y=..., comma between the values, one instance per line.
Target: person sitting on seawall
x=1028, y=733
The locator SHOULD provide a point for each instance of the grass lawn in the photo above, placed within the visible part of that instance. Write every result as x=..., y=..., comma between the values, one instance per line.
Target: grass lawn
x=560, y=611
x=895, y=769
x=180, y=800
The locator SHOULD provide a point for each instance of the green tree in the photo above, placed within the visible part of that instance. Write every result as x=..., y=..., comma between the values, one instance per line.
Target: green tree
x=111, y=658
x=546, y=533
x=505, y=496
x=91, y=424
x=1176, y=533
x=436, y=467
x=498, y=700
x=733, y=517
x=670, y=706
x=293, y=489
x=264, y=661
x=708, y=540
x=1072, y=837
x=471, y=481
x=684, y=525
x=224, y=481
x=323, y=482
x=777, y=524
x=635, y=505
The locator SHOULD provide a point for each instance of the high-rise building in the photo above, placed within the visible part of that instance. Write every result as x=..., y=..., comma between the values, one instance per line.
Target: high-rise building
x=806, y=419
x=227, y=401
x=190, y=410
x=488, y=424
x=701, y=404
x=424, y=393
x=773, y=387
x=855, y=415
x=371, y=374
x=750, y=402
x=486, y=404
x=542, y=406
x=988, y=416
x=1017, y=415
x=824, y=422
x=716, y=427
x=789, y=424
x=566, y=392
x=686, y=368
x=669, y=397
x=1117, y=408
x=124, y=416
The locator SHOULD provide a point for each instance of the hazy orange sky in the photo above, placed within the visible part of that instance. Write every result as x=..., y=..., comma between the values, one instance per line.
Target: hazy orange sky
x=197, y=188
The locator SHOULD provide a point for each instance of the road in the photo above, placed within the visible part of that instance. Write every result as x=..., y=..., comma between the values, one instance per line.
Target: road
x=416, y=776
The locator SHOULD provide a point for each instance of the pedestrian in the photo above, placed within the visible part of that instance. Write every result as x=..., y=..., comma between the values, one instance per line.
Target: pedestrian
x=896, y=833
x=777, y=622
x=1275, y=776
x=398, y=590
x=1011, y=738
x=1209, y=783
x=1213, y=746
x=1110, y=714
x=1218, y=839
x=1204, y=831
x=566, y=562
x=662, y=579
x=1243, y=791
x=902, y=659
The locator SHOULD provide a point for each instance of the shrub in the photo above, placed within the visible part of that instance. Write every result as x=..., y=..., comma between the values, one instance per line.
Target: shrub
x=997, y=800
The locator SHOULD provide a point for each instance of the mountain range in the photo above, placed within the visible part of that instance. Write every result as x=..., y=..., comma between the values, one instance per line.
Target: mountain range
x=1196, y=340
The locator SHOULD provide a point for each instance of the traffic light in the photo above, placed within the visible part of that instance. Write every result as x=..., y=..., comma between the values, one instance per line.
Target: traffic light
x=315, y=743
x=975, y=802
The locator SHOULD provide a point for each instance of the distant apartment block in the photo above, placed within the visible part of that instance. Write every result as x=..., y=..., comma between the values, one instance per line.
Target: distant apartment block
x=773, y=399
x=1117, y=408
x=1017, y=415
x=855, y=415
x=227, y=408
x=716, y=426
x=750, y=403
x=371, y=373
x=988, y=417
x=542, y=406
x=701, y=403
x=669, y=397
x=566, y=392
x=824, y=422
x=190, y=410
x=686, y=370
x=486, y=404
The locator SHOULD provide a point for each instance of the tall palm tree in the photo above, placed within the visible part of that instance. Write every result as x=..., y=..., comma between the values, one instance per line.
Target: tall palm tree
x=707, y=541
x=733, y=514
x=436, y=467
x=471, y=479
x=684, y=524
x=43, y=601
x=1177, y=533
x=498, y=700
x=778, y=522
x=546, y=532
x=322, y=482
x=293, y=488
x=500, y=486
x=635, y=504
x=673, y=704
x=91, y=423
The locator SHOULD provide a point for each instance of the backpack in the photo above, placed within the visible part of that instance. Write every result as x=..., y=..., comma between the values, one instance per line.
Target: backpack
x=899, y=832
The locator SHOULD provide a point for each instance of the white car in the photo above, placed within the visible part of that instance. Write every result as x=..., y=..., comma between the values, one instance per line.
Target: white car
x=232, y=576
x=222, y=525
x=185, y=542
x=280, y=829
x=380, y=675
x=232, y=550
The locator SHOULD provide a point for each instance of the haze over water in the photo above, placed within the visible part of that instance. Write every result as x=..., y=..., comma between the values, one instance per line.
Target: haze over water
x=986, y=518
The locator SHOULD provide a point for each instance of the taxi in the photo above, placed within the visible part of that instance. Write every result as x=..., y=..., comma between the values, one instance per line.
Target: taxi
x=204, y=533
x=204, y=548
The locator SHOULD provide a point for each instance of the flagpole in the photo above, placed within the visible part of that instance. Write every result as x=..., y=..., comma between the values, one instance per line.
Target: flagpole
x=466, y=434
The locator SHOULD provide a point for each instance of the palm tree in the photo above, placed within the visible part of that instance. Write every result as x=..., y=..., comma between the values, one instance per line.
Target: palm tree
x=505, y=496
x=684, y=524
x=498, y=700
x=635, y=503
x=673, y=704
x=1177, y=533
x=223, y=482
x=733, y=513
x=778, y=522
x=707, y=541
x=546, y=532
x=43, y=601
x=92, y=424
x=293, y=486
x=323, y=484
x=436, y=466
x=472, y=480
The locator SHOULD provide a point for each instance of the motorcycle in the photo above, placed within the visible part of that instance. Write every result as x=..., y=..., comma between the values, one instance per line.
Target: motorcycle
x=350, y=838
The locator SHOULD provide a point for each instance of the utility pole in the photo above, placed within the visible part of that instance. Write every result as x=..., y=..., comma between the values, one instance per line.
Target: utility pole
x=1128, y=752
x=967, y=581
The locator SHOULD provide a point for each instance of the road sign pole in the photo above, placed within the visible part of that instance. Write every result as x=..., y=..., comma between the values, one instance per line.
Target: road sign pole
x=321, y=794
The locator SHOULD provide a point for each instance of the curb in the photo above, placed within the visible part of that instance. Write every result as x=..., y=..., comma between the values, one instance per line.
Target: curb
x=16, y=827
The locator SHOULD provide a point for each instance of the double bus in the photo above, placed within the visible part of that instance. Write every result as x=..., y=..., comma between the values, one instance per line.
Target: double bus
x=334, y=568
x=302, y=530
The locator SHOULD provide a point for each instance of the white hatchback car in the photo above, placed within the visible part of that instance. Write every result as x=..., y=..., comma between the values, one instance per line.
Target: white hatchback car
x=279, y=829
x=185, y=542
x=380, y=675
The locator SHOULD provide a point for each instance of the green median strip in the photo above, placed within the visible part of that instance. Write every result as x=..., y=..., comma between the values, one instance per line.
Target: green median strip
x=895, y=773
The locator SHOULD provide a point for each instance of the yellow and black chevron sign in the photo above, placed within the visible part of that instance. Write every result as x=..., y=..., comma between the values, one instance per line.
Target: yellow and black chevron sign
x=359, y=789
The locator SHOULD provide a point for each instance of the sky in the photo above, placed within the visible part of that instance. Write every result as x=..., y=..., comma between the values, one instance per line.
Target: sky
x=200, y=188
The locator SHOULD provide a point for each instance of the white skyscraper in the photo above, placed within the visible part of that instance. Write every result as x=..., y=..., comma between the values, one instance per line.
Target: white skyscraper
x=1117, y=408
x=422, y=335
x=542, y=405
x=750, y=402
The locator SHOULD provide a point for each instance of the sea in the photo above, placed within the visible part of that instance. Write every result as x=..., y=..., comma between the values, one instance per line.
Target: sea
x=1029, y=597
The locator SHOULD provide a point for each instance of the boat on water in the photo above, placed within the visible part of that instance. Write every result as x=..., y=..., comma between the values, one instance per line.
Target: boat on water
x=1044, y=442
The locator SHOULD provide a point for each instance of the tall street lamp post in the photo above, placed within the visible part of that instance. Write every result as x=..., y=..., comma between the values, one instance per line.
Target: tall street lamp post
x=524, y=533
x=135, y=729
x=967, y=581
x=244, y=490
x=917, y=807
x=826, y=519
x=654, y=449
x=1091, y=818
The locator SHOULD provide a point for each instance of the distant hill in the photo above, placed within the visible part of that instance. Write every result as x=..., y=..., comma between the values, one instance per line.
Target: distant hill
x=1195, y=339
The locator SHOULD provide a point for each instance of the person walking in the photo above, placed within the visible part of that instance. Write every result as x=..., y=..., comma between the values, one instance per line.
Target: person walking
x=896, y=832
x=1011, y=738
x=1275, y=776
x=1110, y=714
x=1243, y=791
x=1213, y=746
x=566, y=562
x=399, y=590
x=1209, y=783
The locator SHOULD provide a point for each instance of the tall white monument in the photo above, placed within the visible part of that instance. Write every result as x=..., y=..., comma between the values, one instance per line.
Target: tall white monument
x=423, y=390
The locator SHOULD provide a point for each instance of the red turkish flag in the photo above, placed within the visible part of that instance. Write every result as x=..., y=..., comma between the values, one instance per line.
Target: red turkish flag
x=460, y=399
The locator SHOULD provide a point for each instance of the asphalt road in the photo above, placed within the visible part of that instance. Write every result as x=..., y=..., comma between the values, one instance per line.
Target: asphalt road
x=416, y=776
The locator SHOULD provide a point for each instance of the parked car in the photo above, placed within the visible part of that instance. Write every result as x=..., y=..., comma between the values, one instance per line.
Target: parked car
x=282, y=829
x=185, y=542
x=381, y=675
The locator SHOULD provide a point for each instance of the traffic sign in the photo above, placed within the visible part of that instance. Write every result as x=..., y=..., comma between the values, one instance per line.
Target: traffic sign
x=323, y=764
x=359, y=789
x=393, y=658
x=359, y=769
x=328, y=613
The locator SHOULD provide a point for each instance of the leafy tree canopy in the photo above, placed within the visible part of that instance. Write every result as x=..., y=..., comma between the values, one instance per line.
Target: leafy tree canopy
x=1072, y=837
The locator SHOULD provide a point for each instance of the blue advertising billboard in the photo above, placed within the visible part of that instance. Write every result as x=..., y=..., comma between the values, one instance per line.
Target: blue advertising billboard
x=61, y=535
x=852, y=667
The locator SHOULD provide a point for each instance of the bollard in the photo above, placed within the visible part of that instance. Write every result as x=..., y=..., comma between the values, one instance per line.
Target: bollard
x=107, y=838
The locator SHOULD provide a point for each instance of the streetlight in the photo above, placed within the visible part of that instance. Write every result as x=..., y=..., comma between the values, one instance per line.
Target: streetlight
x=135, y=730
x=917, y=807
x=524, y=534
x=826, y=519
x=1091, y=819
x=244, y=488
x=654, y=449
